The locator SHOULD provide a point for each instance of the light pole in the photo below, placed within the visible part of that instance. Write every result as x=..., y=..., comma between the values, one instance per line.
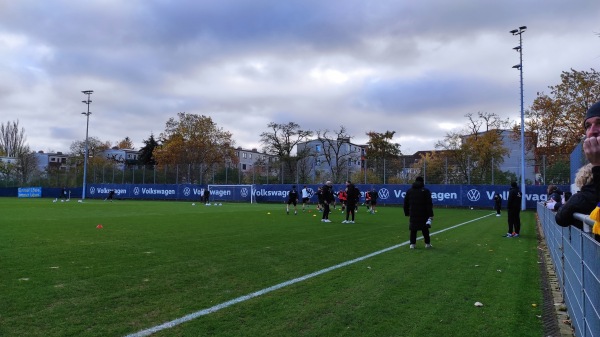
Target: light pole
x=87, y=126
x=519, y=66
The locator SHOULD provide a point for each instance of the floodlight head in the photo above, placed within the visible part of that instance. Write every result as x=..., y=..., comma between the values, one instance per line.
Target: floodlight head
x=517, y=48
x=514, y=31
x=522, y=28
x=87, y=92
x=517, y=66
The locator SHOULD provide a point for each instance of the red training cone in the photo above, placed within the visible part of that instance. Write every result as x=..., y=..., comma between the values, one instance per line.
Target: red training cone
x=99, y=226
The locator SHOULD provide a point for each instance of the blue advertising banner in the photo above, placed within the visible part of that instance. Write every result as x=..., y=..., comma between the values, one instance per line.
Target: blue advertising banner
x=478, y=196
x=29, y=192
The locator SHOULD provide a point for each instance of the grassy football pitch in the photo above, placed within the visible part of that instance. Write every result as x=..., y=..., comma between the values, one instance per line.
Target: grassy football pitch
x=252, y=270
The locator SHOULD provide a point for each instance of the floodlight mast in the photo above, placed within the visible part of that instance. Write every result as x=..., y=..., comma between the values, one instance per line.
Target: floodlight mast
x=87, y=126
x=519, y=66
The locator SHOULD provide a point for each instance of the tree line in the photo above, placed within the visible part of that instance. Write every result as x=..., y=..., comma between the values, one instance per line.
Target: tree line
x=553, y=127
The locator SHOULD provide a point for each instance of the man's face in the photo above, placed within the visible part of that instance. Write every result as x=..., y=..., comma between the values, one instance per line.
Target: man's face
x=592, y=127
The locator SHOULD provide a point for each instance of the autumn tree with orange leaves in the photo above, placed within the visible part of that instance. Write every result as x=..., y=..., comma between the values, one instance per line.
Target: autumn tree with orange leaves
x=194, y=141
x=472, y=155
x=557, y=118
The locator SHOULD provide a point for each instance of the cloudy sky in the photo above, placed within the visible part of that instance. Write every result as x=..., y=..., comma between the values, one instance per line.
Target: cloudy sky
x=413, y=67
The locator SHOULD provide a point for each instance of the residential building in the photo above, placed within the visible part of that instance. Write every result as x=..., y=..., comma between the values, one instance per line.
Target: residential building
x=332, y=159
x=250, y=158
x=122, y=157
x=8, y=160
x=511, y=161
x=51, y=160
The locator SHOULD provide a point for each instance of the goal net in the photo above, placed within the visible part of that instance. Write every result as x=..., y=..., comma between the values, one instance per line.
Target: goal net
x=232, y=193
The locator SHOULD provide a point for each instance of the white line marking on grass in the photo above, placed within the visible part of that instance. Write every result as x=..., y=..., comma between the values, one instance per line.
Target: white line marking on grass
x=224, y=305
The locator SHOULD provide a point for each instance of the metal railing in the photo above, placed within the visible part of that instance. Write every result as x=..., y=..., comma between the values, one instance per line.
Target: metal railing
x=576, y=258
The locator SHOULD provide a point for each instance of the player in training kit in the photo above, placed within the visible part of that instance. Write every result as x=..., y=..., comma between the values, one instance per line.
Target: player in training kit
x=353, y=196
x=292, y=199
x=374, y=195
x=343, y=196
x=305, y=197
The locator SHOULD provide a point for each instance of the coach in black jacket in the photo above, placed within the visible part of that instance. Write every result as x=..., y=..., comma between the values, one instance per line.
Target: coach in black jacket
x=418, y=206
x=513, y=206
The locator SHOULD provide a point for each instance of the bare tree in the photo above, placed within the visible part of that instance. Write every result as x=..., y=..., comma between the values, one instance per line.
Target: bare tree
x=95, y=147
x=12, y=139
x=12, y=144
x=486, y=121
x=337, y=151
x=27, y=166
x=478, y=149
x=281, y=141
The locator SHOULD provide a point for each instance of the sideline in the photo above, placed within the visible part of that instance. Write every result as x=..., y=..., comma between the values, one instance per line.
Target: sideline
x=187, y=318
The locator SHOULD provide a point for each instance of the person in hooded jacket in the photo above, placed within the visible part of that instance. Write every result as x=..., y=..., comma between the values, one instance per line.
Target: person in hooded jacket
x=418, y=206
x=353, y=196
x=513, y=205
x=591, y=148
x=582, y=202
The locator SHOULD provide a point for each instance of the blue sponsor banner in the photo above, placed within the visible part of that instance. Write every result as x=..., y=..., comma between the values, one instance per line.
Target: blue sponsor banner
x=29, y=192
x=478, y=196
x=153, y=192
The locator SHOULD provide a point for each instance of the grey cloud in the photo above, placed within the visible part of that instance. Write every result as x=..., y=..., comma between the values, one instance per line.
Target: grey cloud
x=437, y=92
x=246, y=63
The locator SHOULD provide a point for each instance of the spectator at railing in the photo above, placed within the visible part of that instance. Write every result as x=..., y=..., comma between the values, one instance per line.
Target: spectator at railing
x=554, y=202
x=566, y=196
x=591, y=144
x=553, y=189
x=555, y=198
x=591, y=148
x=583, y=201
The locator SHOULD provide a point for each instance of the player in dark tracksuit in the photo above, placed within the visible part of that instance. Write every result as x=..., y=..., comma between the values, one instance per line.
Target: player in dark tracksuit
x=513, y=206
x=352, y=198
x=292, y=199
x=498, y=203
x=328, y=198
x=374, y=195
x=418, y=206
x=110, y=195
x=206, y=196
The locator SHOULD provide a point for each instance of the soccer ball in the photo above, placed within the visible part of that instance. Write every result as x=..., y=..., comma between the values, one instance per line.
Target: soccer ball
x=193, y=204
